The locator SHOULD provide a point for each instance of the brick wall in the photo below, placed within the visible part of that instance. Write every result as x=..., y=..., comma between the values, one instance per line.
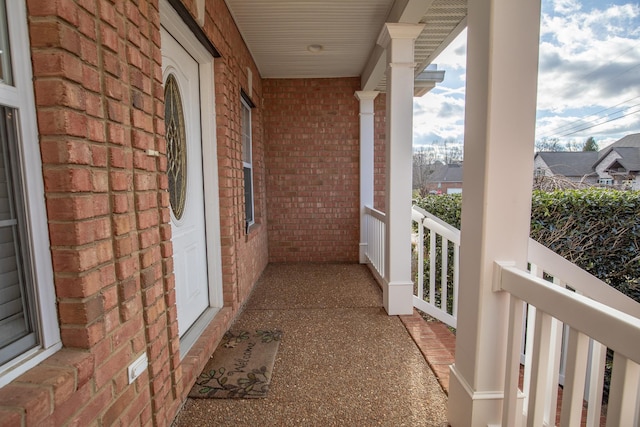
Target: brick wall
x=99, y=100
x=244, y=255
x=380, y=154
x=312, y=159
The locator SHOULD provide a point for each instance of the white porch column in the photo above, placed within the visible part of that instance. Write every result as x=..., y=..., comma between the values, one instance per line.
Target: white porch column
x=366, y=161
x=398, y=40
x=502, y=64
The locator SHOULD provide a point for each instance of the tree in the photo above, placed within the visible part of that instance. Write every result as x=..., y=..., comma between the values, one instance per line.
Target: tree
x=452, y=151
x=423, y=166
x=549, y=144
x=590, y=145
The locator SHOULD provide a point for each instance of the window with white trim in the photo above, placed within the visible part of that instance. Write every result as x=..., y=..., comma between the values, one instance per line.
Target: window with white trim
x=605, y=181
x=28, y=323
x=247, y=163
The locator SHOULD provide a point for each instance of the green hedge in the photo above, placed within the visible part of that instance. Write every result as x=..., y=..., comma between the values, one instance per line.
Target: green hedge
x=597, y=229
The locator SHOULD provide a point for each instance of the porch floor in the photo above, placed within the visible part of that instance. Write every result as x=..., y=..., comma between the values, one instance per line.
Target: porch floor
x=342, y=359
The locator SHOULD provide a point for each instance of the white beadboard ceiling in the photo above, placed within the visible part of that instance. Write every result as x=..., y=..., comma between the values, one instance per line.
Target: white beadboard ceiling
x=279, y=32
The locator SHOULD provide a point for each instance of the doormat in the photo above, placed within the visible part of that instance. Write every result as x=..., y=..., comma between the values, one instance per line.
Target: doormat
x=241, y=366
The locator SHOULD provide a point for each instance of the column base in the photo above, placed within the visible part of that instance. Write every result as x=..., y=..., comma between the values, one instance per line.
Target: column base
x=471, y=408
x=397, y=298
x=363, y=253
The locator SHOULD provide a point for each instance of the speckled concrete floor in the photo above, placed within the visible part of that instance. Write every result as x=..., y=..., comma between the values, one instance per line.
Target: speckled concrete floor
x=342, y=361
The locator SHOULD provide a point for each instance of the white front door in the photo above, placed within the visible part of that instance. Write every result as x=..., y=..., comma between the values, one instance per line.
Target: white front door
x=184, y=168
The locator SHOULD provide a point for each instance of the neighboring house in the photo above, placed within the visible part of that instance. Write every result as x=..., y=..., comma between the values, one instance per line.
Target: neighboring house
x=575, y=166
x=445, y=179
x=618, y=165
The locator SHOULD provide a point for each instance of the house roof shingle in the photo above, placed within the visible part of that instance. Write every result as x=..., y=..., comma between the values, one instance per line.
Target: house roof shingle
x=570, y=163
x=630, y=158
x=447, y=173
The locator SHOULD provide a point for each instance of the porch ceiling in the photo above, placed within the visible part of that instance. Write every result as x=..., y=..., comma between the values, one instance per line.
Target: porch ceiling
x=279, y=34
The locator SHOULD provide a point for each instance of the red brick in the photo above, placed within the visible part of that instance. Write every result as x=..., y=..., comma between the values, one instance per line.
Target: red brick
x=49, y=33
x=120, y=181
x=81, y=362
x=115, y=410
x=11, y=417
x=74, y=260
x=54, y=92
x=82, y=337
x=34, y=400
x=116, y=134
x=119, y=361
x=99, y=181
x=80, y=312
x=78, y=233
x=62, y=122
x=61, y=380
x=64, y=9
x=136, y=408
x=64, y=411
x=99, y=155
x=130, y=309
x=70, y=207
x=87, y=416
x=96, y=130
x=122, y=224
x=147, y=219
x=64, y=151
x=127, y=332
x=126, y=268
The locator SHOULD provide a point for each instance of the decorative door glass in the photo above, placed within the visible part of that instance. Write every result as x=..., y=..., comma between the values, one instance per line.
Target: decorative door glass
x=176, y=146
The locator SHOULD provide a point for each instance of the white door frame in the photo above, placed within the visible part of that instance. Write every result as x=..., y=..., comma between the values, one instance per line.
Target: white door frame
x=172, y=22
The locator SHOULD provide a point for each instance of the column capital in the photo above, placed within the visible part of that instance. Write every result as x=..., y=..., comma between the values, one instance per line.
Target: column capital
x=366, y=95
x=391, y=31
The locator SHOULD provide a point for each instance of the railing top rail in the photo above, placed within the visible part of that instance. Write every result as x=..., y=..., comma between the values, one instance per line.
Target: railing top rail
x=435, y=218
x=417, y=216
x=447, y=233
x=601, y=322
x=580, y=280
x=554, y=265
x=375, y=213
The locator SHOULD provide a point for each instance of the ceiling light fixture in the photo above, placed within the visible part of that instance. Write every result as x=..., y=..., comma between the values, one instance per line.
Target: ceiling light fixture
x=315, y=48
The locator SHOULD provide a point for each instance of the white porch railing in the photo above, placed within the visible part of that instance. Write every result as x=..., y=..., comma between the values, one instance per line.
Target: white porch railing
x=374, y=251
x=593, y=326
x=442, y=278
x=558, y=299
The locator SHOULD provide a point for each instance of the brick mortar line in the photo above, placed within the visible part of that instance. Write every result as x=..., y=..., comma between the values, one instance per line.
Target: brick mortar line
x=409, y=322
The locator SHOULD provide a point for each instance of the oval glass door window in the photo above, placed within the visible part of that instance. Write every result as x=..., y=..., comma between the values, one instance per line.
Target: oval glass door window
x=176, y=146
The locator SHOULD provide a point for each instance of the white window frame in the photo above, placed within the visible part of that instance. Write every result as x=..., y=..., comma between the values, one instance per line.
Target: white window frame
x=246, y=132
x=605, y=181
x=20, y=97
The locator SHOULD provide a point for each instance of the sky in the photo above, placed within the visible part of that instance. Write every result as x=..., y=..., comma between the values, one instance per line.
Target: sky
x=588, y=78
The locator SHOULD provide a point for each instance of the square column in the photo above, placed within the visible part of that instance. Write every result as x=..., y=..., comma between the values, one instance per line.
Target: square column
x=367, y=116
x=502, y=69
x=398, y=40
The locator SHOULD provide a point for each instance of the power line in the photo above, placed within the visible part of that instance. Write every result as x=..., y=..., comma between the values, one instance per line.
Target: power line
x=600, y=124
x=569, y=126
x=568, y=129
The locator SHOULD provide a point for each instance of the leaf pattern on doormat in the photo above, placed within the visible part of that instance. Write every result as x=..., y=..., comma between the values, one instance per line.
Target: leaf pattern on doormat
x=241, y=366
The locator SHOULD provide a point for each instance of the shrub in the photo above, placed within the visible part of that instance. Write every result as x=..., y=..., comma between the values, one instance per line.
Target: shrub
x=597, y=229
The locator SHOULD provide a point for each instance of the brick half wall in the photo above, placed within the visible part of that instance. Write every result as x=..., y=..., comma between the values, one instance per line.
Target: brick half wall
x=312, y=157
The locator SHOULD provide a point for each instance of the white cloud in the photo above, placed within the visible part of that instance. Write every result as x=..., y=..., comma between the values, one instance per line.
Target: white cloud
x=589, y=60
x=589, y=74
x=454, y=57
x=438, y=118
x=566, y=6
